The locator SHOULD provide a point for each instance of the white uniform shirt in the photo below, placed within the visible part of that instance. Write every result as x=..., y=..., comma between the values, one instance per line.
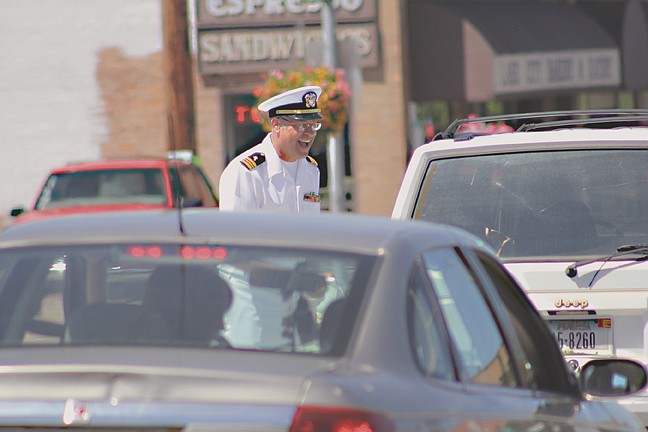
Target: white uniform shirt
x=268, y=185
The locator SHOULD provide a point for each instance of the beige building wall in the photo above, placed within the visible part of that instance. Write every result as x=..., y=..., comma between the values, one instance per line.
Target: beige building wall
x=379, y=128
x=210, y=139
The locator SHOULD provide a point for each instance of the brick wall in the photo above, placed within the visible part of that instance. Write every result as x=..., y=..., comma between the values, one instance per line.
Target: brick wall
x=132, y=90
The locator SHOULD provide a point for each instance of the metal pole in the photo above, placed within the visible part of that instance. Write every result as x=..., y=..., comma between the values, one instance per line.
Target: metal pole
x=328, y=37
x=335, y=148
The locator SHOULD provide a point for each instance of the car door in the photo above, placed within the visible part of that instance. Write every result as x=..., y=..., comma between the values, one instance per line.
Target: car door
x=507, y=389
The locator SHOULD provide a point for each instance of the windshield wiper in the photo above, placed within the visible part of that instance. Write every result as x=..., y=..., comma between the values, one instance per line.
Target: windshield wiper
x=572, y=271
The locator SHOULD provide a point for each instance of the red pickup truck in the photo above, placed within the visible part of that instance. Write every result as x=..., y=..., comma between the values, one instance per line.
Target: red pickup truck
x=125, y=184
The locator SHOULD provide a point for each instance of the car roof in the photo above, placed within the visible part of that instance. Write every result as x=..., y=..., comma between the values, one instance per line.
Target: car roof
x=111, y=164
x=638, y=133
x=581, y=138
x=359, y=233
x=547, y=120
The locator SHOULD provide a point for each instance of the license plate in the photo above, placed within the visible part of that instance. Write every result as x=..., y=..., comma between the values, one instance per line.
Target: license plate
x=586, y=336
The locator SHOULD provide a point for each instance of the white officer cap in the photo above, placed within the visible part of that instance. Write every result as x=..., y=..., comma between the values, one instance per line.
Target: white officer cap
x=300, y=103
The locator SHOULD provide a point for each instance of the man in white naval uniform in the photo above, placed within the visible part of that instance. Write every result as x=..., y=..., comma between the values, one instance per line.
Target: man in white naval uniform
x=275, y=175
x=278, y=174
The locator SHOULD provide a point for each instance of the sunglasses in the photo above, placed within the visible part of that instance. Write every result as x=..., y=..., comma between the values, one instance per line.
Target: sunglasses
x=303, y=126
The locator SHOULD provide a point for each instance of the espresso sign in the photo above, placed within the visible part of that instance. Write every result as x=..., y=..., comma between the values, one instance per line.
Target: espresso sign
x=250, y=13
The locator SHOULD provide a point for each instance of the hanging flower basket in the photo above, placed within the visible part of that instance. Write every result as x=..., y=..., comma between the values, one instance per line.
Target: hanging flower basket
x=334, y=100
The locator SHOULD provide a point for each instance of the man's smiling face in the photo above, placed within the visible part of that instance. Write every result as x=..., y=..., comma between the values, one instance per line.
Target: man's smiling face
x=293, y=138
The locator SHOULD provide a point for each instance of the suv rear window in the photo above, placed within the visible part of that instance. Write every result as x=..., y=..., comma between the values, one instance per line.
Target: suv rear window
x=539, y=204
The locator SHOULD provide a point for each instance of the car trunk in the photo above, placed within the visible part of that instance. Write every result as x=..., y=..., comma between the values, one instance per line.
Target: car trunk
x=153, y=387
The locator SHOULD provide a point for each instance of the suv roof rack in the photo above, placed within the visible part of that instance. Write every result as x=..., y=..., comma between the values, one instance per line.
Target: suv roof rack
x=592, y=116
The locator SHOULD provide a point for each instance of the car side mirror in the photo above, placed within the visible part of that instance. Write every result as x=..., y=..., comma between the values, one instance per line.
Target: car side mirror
x=17, y=211
x=613, y=377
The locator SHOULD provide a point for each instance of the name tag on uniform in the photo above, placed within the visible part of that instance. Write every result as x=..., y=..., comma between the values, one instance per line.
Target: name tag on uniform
x=312, y=197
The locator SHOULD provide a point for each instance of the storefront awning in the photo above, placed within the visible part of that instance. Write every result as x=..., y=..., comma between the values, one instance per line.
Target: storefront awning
x=477, y=50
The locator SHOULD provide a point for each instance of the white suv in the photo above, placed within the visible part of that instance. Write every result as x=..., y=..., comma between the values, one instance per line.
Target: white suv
x=565, y=206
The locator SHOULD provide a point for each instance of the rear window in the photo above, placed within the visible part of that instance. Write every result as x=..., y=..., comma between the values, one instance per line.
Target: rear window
x=543, y=204
x=203, y=296
x=103, y=187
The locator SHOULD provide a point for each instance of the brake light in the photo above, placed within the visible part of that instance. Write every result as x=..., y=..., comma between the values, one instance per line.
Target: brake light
x=145, y=251
x=186, y=252
x=203, y=252
x=336, y=419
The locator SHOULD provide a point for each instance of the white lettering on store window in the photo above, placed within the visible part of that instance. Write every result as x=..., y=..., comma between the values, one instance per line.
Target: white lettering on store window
x=580, y=68
x=225, y=8
x=511, y=73
x=360, y=35
x=226, y=47
x=251, y=5
x=560, y=70
x=534, y=71
x=274, y=7
x=294, y=6
x=599, y=68
x=247, y=47
x=556, y=70
x=215, y=8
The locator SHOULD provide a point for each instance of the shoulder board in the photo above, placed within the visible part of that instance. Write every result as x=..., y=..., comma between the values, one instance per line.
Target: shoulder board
x=253, y=161
x=311, y=160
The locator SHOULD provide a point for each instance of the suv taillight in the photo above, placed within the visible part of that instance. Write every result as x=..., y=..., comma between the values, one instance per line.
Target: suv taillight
x=335, y=419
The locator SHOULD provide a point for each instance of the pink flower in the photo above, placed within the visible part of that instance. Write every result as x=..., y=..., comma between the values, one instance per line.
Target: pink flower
x=334, y=99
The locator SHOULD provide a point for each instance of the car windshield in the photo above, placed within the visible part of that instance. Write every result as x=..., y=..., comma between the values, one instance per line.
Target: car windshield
x=562, y=204
x=207, y=295
x=103, y=187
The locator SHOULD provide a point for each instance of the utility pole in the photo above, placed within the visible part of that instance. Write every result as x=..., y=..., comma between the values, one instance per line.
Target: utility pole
x=335, y=144
x=179, y=88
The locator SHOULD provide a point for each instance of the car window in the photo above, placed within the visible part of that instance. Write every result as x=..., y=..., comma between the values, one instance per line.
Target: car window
x=535, y=204
x=103, y=187
x=190, y=189
x=217, y=296
x=428, y=336
x=481, y=351
x=190, y=186
x=206, y=189
x=544, y=366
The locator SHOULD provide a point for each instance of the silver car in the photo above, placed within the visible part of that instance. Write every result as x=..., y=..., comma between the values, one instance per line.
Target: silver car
x=200, y=320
